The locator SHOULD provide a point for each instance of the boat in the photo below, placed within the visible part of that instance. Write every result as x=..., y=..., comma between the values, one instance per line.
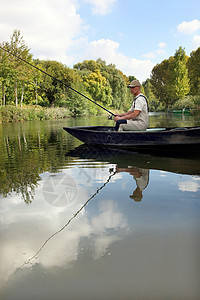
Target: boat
x=160, y=139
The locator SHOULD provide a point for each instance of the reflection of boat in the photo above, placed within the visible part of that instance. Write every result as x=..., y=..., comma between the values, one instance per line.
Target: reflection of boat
x=152, y=139
x=189, y=165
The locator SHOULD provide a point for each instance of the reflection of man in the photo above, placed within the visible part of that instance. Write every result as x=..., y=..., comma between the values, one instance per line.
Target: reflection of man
x=141, y=177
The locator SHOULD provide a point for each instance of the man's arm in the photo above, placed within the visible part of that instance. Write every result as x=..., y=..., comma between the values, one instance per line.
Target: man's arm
x=128, y=116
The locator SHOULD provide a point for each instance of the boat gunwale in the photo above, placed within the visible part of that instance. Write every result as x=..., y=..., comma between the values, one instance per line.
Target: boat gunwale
x=157, y=130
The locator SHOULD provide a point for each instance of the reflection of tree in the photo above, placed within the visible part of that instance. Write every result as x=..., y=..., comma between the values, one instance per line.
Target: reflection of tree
x=25, y=155
x=141, y=177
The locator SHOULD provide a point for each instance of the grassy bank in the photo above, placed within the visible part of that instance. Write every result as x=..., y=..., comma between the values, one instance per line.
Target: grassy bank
x=11, y=113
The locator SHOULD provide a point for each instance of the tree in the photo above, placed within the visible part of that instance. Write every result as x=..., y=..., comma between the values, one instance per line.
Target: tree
x=180, y=81
x=121, y=97
x=90, y=65
x=98, y=87
x=76, y=103
x=169, y=79
x=193, y=65
x=152, y=100
x=53, y=89
x=5, y=71
x=21, y=71
x=161, y=81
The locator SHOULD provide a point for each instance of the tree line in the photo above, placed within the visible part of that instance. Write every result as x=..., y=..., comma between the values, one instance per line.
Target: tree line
x=175, y=82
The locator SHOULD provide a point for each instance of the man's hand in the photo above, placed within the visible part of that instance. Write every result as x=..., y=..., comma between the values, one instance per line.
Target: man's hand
x=117, y=117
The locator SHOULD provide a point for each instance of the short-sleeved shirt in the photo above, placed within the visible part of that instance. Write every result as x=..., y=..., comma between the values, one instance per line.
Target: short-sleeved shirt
x=143, y=180
x=140, y=103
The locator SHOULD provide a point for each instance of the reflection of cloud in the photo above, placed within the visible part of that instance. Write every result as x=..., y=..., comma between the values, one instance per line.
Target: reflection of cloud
x=30, y=226
x=163, y=173
x=189, y=186
x=109, y=217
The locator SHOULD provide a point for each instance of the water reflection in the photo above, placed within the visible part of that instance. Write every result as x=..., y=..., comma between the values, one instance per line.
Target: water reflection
x=31, y=149
x=185, y=164
x=101, y=232
x=27, y=249
x=141, y=176
x=28, y=150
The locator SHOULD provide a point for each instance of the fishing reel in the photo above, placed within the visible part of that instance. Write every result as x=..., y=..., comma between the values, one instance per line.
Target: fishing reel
x=111, y=117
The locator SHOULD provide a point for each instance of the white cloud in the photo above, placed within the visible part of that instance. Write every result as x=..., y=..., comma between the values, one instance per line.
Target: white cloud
x=160, y=51
x=149, y=55
x=162, y=45
x=101, y=7
x=108, y=51
x=189, y=27
x=48, y=27
x=196, y=41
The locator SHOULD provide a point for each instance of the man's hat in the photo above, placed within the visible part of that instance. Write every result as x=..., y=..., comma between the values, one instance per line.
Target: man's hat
x=134, y=83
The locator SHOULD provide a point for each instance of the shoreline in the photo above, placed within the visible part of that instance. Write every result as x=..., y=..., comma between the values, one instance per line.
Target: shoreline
x=13, y=114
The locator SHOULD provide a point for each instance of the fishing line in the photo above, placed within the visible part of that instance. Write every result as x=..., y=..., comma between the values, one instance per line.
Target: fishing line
x=69, y=87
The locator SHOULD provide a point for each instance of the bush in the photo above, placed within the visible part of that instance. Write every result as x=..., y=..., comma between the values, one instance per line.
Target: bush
x=11, y=113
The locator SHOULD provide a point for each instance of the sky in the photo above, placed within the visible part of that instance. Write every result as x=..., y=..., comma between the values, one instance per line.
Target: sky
x=133, y=35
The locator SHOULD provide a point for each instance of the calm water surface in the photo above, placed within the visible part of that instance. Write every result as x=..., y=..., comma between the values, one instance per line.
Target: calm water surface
x=78, y=223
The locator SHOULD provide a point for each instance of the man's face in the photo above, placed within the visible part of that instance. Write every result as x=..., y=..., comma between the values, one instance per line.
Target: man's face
x=135, y=90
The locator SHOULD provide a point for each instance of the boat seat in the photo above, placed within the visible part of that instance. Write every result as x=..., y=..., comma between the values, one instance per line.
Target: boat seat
x=155, y=129
x=148, y=129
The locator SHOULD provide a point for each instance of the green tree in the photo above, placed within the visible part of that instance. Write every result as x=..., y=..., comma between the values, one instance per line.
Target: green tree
x=161, y=81
x=193, y=65
x=77, y=104
x=5, y=71
x=21, y=72
x=154, y=104
x=87, y=65
x=131, y=78
x=121, y=97
x=54, y=90
x=180, y=86
x=169, y=79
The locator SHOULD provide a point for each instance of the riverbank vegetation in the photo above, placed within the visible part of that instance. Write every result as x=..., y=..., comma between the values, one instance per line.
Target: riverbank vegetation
x=28, y=94
x=10, y=113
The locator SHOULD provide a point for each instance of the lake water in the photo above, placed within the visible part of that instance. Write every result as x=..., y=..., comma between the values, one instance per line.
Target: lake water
x=84, y=224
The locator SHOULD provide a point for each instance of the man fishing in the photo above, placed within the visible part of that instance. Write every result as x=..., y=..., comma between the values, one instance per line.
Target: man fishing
x=137, y=117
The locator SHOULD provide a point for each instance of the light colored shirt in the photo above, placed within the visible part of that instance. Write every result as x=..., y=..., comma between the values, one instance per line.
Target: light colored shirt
x=140, y=103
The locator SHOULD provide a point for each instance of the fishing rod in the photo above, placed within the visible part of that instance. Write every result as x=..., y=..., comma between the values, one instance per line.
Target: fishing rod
x=69, y=87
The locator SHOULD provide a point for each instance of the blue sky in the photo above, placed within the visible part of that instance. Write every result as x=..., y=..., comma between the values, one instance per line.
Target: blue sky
x=133, y=35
